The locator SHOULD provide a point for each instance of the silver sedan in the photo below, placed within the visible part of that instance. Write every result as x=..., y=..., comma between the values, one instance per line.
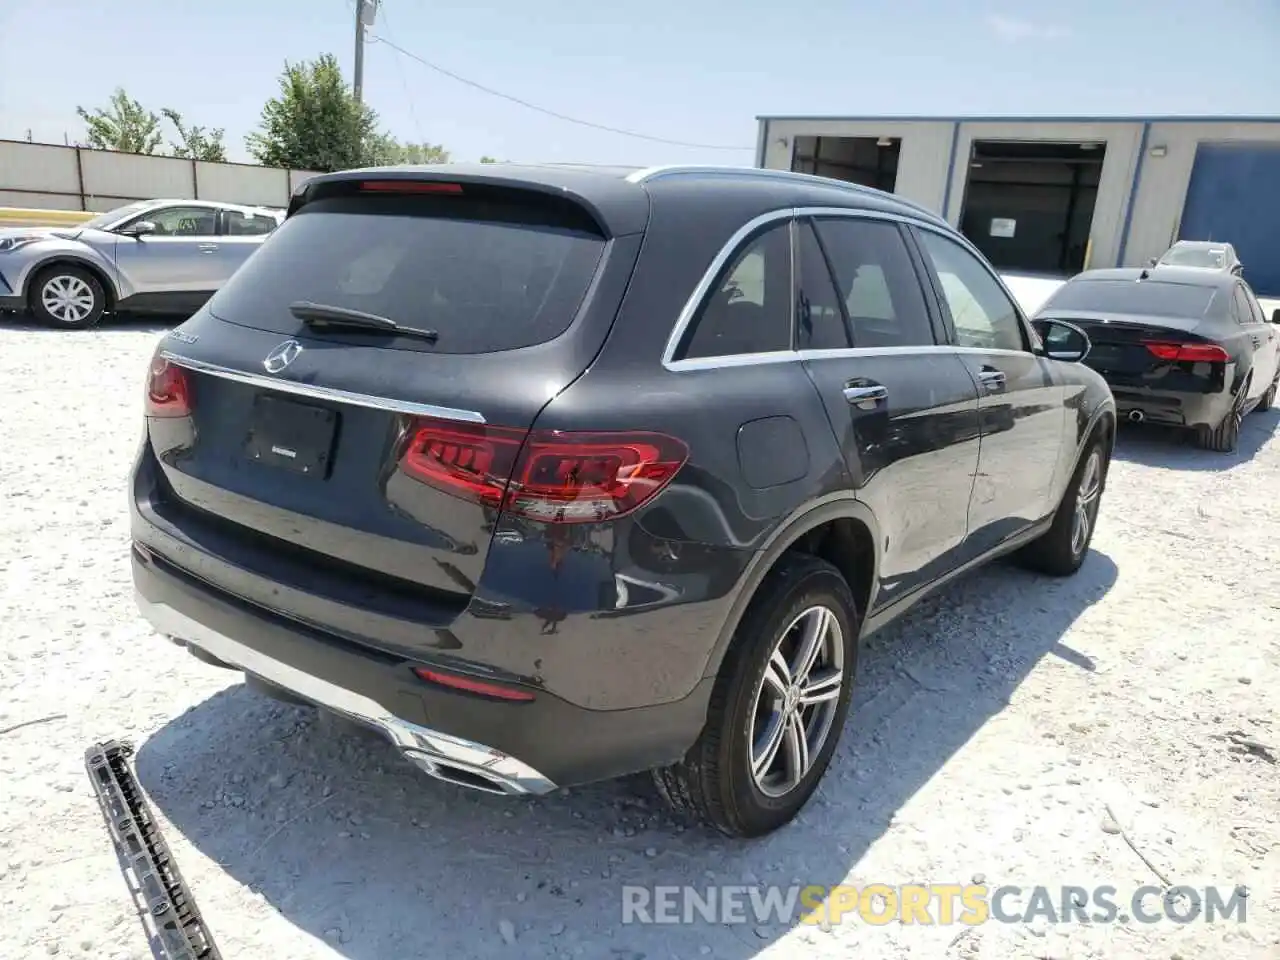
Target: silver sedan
x=154, y=256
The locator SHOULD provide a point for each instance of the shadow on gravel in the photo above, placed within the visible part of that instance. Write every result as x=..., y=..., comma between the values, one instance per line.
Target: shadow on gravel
x=1172, y=448
x=136, y=323
x=354, y=846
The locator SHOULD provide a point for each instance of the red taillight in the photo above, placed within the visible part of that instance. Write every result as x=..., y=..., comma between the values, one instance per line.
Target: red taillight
x=548, y=475
x=408, y=186
x=1187, y=352
x=168, y=390
x=468, y=685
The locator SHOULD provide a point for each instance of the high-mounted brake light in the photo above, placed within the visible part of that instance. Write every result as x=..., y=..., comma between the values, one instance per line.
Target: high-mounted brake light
x=408, y=186
x=168, y=390
x=548, y=475
x=478, y=687
x=1187, y=352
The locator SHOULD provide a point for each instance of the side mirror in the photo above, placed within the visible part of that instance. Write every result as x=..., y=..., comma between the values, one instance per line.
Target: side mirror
x=1063, y=341
x=1275, y=315
x=139, y=228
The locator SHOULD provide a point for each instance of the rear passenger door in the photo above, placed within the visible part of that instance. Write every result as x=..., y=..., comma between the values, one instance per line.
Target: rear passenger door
x=1022, y=399
x=904, y=409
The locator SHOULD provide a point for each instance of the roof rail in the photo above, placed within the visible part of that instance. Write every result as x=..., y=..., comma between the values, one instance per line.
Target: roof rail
x=693, y=170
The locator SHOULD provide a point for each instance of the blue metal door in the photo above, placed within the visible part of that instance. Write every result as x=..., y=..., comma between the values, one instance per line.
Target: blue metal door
x=1234, y=196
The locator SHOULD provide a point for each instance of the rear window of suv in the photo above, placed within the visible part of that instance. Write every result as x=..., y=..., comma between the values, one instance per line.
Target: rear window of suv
x=487, y=276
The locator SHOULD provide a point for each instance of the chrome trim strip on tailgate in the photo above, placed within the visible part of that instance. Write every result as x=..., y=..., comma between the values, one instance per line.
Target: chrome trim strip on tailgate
x=441, y=755
x=330, y=394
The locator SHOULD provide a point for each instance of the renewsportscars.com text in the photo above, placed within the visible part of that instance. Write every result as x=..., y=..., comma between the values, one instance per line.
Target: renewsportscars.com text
x=932, y=904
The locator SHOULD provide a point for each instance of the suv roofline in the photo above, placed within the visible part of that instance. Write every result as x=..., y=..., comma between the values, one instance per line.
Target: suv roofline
x=650, y=174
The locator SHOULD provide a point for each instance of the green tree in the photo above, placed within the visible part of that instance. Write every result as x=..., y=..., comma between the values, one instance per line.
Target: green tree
x=487, y=159
x=386, y=149
x=196, y=143
x=315, y=123
x=124, y=125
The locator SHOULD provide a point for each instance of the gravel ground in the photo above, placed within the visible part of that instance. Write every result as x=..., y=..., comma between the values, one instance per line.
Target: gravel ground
x=994, y=729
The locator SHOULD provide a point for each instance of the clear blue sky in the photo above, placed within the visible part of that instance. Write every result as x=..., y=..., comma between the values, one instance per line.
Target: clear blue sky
x=692, y=70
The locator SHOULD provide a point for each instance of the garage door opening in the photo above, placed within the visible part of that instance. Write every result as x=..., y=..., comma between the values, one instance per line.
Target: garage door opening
x=869, y=161
x=1029, y=206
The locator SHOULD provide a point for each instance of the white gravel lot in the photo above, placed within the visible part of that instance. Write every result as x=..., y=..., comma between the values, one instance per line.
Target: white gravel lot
x=992, y=730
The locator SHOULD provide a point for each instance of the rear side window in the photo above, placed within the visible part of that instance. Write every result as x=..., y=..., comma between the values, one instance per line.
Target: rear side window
x=749, y=307
x=1242, y=312
x=878, y=284
x=487, y=276
x=239, y=224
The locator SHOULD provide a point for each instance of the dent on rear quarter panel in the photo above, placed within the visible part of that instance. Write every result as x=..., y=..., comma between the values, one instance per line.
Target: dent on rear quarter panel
x=626, y=614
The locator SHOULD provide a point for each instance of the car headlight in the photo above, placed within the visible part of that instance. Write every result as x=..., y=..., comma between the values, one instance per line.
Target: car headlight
x=10, y=244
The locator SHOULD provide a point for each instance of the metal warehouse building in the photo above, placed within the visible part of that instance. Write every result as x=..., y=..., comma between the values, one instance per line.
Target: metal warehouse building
x=1057, y=195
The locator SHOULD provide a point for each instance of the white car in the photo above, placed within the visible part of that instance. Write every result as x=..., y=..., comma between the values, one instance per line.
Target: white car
x=153, y=256
x=1202, y=255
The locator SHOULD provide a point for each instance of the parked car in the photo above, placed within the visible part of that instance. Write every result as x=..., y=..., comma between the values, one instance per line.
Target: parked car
x=556, y=474
x=153, y=256
x=1201, y=255
x=1179, y=346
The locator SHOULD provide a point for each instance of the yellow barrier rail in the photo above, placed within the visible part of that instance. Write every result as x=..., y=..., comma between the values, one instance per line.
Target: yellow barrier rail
x=25, y=217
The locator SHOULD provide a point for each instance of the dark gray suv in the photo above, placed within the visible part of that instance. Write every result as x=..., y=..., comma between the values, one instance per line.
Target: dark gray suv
x=555, y=474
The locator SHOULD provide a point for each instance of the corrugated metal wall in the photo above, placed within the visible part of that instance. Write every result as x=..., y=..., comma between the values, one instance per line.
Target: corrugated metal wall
x=76, y=178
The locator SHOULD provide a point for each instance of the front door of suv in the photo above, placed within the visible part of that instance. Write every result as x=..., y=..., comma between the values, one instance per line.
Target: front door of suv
x=904, y=409
x=1022, y=399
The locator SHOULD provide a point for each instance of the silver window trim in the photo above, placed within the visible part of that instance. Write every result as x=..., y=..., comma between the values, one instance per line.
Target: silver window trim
x=329, y=394
x=733, y=245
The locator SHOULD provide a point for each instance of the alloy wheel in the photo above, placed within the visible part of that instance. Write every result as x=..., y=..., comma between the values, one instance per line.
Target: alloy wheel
x=795, y=706
x=1087, y=501
x=67, y=299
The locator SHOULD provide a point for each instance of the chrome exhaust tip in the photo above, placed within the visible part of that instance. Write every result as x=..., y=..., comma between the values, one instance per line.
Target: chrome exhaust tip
x=1136, y=416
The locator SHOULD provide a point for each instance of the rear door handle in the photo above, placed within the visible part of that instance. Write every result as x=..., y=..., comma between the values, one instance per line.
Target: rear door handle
x=992, y=379
x=865, y=396
x=207, y=247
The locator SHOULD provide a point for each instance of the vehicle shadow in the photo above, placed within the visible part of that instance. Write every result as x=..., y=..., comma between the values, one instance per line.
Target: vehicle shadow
x=135, y=322
x=351, y=845
x=1172, y=448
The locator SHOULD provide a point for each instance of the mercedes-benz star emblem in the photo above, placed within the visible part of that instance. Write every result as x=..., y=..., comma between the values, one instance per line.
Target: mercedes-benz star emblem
x=282, y=356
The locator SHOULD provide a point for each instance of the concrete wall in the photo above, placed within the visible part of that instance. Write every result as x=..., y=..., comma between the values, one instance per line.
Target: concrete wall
x=1163, y=182
x=77, y=178
x=922, y=160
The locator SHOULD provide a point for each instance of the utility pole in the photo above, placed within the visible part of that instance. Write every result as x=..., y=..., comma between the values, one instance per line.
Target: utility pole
x=366, y=11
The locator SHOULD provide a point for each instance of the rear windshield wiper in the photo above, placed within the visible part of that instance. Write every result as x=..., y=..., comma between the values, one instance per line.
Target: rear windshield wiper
x=322, y=315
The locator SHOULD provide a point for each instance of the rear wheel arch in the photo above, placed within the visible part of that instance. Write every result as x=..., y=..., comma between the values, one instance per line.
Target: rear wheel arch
x=842, y=531
x=42, y=269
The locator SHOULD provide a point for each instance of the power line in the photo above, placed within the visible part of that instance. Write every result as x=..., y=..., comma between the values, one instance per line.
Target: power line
x=404, y=79
x=551, y=113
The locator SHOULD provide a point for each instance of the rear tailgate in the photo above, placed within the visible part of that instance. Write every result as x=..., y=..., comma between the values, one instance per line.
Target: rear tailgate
x=313, y=470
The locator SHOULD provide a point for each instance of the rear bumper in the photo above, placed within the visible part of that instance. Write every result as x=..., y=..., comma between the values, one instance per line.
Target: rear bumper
x=512, y=748
x=1171, y=408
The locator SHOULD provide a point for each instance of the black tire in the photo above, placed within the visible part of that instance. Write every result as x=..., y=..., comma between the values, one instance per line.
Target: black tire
x=1225, y=437
x=715, y=782
x=1269, y=398
x=83, y=304
x=1059, y=551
